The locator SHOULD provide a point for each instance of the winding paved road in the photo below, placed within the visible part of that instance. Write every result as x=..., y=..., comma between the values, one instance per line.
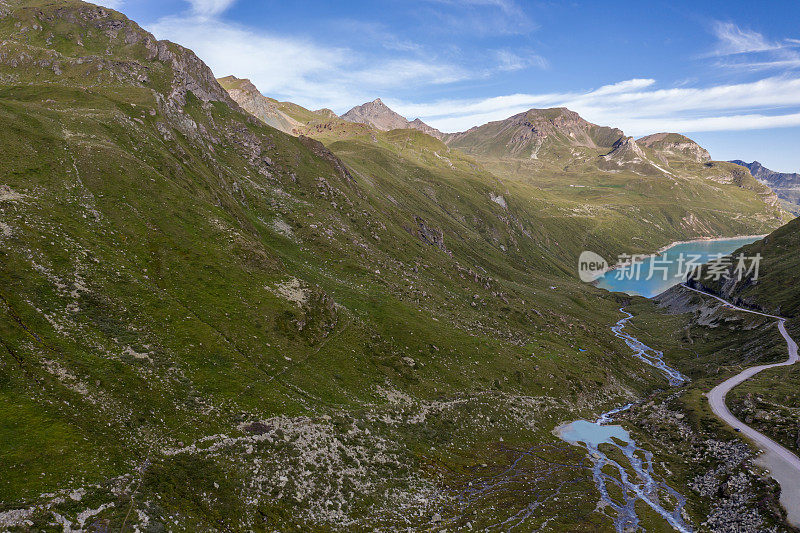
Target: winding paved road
x=783, y=465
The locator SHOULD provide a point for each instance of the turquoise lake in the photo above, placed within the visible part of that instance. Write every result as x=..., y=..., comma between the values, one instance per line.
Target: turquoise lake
x=668, y=265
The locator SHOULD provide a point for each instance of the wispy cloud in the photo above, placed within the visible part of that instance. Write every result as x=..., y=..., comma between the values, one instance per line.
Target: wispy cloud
x=635, y=106
x=478, y=17
x=377, y=33
x=113, y=4
x=300, y=69
x=210, y=8
x=317, y=74
x=626, y=86
x=508, y=61
x=744, y=48
x=507, y=6
x=735, y=40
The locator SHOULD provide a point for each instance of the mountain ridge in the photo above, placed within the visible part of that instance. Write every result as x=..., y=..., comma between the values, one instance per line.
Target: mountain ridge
x=382, y=117
x=542, y=142
x=526, y=134
x=785, y=184
x=564, y=144
x=542, y=124
x=675, y=145
x=251, y=100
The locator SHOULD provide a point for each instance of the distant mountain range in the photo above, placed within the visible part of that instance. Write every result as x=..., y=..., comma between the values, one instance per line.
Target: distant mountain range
x=786, y=185
x=559, y=151
x=551, y=136
x=555, y=135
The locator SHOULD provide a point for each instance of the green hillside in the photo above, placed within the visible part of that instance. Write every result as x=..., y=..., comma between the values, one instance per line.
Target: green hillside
x=207, y=324
x=175, y=274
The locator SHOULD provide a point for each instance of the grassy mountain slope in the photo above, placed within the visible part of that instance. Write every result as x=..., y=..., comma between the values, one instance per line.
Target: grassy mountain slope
x=208, y=324
x=662, y=185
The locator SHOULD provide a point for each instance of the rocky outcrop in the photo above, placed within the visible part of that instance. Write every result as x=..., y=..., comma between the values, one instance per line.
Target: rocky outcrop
x=432, y=236
x=626, y=150
x=251, y=100
x=320, y=151
x=168, y=69
x=417, y=124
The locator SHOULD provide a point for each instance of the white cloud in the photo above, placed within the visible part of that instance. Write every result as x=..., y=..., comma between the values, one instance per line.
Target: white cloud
x=398, y=72
x=210, y=8
x=510, y=61
x=624, y=86
x=299, y=69
x=319, y=75
x=112, y=4
x=277, y=65
x=751, y=121
x=734, y=40
x=635, y=106
x=741, y=48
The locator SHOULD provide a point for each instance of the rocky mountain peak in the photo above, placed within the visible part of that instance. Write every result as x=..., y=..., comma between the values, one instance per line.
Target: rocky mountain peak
x=536, y=133
x=560, y=120
x=785, y=184
x=758, y=170
x=328, y=113
x=626, y=150
x=675, y=146
x=380, y=116
x=555, y=114
x=376, y=114
x=244, y=85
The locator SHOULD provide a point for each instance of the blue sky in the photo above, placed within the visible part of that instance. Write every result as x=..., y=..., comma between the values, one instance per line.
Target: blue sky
x=726, y=73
